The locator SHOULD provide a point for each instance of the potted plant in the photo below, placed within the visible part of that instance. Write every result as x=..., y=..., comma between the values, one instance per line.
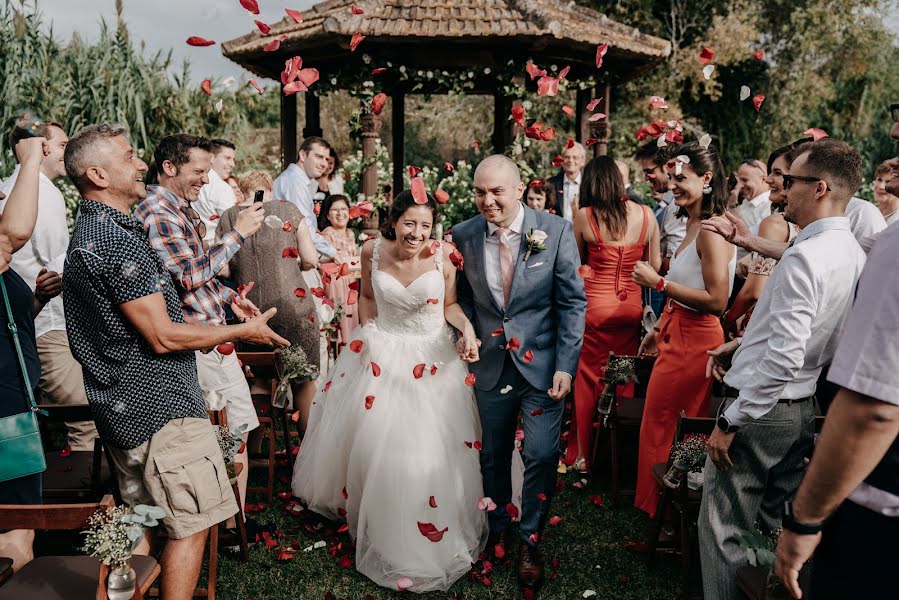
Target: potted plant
x=231, y=443
x=687, y=457
x=112, y=535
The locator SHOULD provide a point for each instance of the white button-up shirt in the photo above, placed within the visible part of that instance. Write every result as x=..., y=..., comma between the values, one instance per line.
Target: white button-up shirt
x=794, y=329
x=492, y=266
x=570, y=191
x=865, y=221
x=674, y=230
x=753, y=213
x=46, y=249
x=296, y=187
x=215, y=198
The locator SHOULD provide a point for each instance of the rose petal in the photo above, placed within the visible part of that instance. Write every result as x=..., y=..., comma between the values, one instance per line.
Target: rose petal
x=430, y=531
x=206, y=86
x=558, y=160
x=432, y=502
x=477, y=445
x=585, y=271
x=441, y=196
x=657, y=102
x=290, y=252
x=375, y=369
x=596, y=117
x=299, y=292
x=244, y=289
x=547, y=134
x=512, y=510
x=470, y=379
x=705, y=141
x=759, y=54
x=356, y=346
x=536, y=413
x=419, y=194
x=518, y=115
x=757, y=101
x=707, y=71
x=413, y=171
x=288, y=227
x=593, y=104
x=513, y=344
x=369, y=400
x=356, y=10
x=378, y=102
x=600, y=53
x=355, y=41
x=274, y=44
x=554, y=521
x=258, y=87
x=486, y=504
x=547, y=86
x=273, y=221
x=744, y=92
x=250, y=5
x=815, y=133
x=418, y=370
x=403, y=584
x=528, y=356
x=227, y=348
x=533, y=70
x=263, y=27
x=706, y=55
x=432, y=301
x=590, y=142
x=449, y=167
x=198, y=41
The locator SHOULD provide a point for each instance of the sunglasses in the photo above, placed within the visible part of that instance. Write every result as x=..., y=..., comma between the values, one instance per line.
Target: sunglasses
x=197, y=222
x=789, y=180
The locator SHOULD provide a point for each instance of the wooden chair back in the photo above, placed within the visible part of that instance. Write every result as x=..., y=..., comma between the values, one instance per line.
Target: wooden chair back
x=58, y=517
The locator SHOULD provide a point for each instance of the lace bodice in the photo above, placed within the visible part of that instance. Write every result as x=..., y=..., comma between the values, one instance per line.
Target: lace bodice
x=413, y=310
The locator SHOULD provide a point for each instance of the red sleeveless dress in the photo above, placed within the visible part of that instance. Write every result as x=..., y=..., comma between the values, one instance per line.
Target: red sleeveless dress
x=614, y=315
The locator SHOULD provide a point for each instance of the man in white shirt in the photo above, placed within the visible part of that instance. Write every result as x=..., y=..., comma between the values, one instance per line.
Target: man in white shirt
x=865, y=221
x=765, y=425
x=61, y=379
x=754, y=191
x=217, y=196
x=568, y=181
x=297, y=184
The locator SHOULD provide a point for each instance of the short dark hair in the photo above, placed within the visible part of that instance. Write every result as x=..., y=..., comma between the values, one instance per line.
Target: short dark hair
x=17, y=134
x=545, y=187
x=80, y=150
x=784, y=150
x=310, y=141
x=653, y=152
x=176, y=149
x=336, y=163
x=602, y=188
x=838, y=163
x=326, y=206
x=219, y=143
x=403, y=202
x=705, y=160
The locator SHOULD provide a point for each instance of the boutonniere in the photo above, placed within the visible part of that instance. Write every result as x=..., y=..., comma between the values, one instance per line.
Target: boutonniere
x=535, y=240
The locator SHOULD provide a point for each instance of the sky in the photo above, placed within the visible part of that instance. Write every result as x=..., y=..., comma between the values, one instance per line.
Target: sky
x=166, y=24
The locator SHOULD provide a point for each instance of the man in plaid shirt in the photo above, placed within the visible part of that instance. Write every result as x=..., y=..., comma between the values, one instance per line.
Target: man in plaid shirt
x=176, y=232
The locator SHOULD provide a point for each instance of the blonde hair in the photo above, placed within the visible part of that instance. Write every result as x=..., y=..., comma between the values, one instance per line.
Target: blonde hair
x=255, y=180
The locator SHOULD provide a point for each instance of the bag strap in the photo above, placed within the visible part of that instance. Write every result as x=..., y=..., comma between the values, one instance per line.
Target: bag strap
x=14, y=330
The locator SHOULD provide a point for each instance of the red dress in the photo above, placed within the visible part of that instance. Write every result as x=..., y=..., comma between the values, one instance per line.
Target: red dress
x=614, y=314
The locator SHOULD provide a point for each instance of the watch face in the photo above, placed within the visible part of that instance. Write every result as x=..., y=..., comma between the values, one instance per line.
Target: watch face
x=723, y=424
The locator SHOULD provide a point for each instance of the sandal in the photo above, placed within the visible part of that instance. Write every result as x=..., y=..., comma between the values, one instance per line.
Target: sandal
x=580, y=465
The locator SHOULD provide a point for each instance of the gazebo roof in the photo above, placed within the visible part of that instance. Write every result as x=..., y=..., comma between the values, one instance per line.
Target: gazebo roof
x=451, y=33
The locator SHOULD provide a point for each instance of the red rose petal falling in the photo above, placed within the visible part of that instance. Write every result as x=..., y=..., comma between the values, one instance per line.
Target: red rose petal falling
x=317, y=292
x=290, y=252
x=199, y=42
x=534, y=537
x=449, y=167
x=250, y=5
x=759, y=54
x=432, y=301
x=547, y=86
x=355, y=41
x=757, y=101
x=441, y=196
x=430, y=531
x=513, y=344
x=541, y=497
x=706, y=55
x=375, y=369
x=369, y=400
x=497, y=332
x=378, y=71
x=352, y=297
x=343, y=493
x=512, y=510
x=815, y=133
x=413, y=171
x=258, y=87
x=418, y=370
x=435, y=245
x=288, y=227
x=534, y=71
x=227, y=348
x=468, y=444
x=378, y=102
x=590, y=142
x=563, y=73
x=243, y=290
x=433, y=369
x=65, y=452
x=206, y=86
x=356, y=10
x=346, y=561
x=528, y=356
x=432, y=502
x=596, y=499
x=547, y=134
x=558, y=160
x=470, y=379
x=419, y=194
x=518, y=115
x=477, y=445
x=568, y=110
x=457, y=259
x=591, y=106
x=274, y=44
x=296, y=15
x=263, y=27
x=600, y=53
x=356, y=346
x=569, y=144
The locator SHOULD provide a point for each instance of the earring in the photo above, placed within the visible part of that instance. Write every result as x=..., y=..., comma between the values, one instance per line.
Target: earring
x=707, y=190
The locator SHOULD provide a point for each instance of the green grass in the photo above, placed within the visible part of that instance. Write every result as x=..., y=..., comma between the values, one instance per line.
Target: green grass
x=588, y=546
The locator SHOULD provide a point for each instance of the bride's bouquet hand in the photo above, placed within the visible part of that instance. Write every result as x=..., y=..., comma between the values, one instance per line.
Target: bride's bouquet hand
x=467, y=346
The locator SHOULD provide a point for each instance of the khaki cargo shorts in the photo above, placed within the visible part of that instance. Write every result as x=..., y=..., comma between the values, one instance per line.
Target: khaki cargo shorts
x=181, y=470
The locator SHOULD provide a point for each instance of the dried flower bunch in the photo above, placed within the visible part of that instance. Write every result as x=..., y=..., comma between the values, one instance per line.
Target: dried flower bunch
x=618, y=371
x=113, y=534
x=293, y=365
x=690, y=453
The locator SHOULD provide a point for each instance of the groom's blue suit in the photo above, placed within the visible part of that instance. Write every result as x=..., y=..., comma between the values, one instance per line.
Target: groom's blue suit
x=545, y=312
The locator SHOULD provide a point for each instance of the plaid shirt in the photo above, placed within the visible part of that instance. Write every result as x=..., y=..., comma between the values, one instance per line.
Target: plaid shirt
x=176, y=240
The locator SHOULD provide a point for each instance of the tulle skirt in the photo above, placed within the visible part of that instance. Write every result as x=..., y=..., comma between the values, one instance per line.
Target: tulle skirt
x=392, y=447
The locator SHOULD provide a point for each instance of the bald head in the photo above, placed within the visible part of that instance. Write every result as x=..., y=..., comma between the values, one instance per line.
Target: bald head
x=499, y=165
x=498, y=189
x=624, y=170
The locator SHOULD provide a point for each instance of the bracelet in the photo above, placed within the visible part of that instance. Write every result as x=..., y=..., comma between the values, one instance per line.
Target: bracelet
x=661, y=284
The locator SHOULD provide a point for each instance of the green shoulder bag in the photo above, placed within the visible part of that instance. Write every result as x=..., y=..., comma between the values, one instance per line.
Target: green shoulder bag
x=21, y=451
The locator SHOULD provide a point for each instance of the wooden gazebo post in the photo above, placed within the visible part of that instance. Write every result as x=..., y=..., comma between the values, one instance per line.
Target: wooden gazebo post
x=288, y=129
x=371, y=131
x=398, y=137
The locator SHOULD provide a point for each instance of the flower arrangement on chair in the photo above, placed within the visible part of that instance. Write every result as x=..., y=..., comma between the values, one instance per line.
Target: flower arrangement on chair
x=687, y=456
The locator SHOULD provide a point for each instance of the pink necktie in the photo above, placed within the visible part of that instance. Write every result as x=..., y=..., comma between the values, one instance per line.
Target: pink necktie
x=505, y=261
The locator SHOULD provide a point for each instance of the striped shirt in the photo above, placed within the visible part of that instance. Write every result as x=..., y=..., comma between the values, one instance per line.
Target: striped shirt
x=176, y=240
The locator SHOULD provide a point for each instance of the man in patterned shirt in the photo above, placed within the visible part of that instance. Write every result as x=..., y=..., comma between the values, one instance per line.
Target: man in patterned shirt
x=126, y=328
x=176, y=232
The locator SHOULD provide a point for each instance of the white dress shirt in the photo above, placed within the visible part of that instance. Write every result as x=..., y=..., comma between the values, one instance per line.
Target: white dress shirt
x=296, y=187
x=865, y=221
x=753, y=213
x=215, y=198
x=674, y=230
x=570, y=191
x=795, y=326
x=46, y=248
x=491, y=255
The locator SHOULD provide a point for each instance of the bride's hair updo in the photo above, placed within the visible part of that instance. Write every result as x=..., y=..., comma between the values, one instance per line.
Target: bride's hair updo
x=401, y=203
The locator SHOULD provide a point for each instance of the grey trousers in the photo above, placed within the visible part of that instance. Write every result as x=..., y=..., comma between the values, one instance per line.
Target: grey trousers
x=768, y=465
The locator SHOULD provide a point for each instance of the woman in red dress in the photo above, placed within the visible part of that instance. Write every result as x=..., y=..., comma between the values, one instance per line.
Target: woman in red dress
x=612, y=234
x=697, y=286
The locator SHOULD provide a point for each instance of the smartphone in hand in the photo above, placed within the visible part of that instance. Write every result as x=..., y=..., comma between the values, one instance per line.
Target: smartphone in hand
x=257, y=197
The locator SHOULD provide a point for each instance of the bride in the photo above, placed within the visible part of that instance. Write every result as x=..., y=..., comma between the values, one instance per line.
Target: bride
x=393, y=437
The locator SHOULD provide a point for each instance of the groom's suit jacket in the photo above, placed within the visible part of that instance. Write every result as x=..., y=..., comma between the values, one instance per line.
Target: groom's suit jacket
x=546, y=302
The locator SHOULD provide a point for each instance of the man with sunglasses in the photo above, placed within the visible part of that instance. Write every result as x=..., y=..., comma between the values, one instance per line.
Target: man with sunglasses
x=765, y=425
x=176, y=233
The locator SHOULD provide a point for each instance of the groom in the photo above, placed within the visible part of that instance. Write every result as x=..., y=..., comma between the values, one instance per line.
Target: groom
x=521, y=290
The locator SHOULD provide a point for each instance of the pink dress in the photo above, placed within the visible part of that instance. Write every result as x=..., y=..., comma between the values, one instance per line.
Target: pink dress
x=338, y=289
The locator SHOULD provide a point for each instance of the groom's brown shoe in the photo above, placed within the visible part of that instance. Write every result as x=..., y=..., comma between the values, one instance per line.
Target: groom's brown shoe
x=498, y=544
x=530, y=567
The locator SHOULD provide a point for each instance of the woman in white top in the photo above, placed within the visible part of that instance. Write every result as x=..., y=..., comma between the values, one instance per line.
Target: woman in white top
x=698, y=286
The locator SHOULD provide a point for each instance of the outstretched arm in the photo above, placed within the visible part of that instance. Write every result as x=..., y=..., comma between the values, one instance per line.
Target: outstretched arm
x=737, y=232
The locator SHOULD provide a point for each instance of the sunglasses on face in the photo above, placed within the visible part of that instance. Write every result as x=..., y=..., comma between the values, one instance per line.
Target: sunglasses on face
x=789, y=180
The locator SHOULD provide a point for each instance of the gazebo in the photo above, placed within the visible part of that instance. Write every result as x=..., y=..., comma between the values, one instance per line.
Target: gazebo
x=493, y=39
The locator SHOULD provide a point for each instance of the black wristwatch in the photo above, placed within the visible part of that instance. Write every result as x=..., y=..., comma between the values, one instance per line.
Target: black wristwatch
x=791, y=524
x=725, y=426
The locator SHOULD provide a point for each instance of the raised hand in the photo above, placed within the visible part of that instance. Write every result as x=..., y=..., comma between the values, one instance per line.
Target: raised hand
x=250, y=219
x=31, y=151
x=730, y=227
x=48, y=285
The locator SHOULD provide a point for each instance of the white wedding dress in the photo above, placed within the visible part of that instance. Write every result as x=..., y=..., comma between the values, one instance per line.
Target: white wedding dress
x=392, y=442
